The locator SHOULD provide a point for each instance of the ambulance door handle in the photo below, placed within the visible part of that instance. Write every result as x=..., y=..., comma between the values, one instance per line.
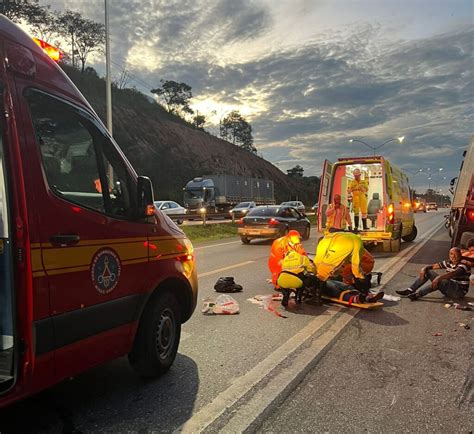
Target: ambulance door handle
x=65, y=240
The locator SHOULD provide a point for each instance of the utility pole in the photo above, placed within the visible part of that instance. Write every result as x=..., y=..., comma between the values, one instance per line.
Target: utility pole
x=107, y=71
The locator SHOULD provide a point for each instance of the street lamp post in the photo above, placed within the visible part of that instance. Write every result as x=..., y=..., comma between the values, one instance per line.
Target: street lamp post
x=374, y=148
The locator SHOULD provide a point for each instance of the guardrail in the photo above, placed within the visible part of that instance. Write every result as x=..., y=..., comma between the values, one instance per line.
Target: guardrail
x=204, y=217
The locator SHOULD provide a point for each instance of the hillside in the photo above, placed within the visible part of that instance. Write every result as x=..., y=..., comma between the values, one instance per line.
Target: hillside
x=171, y=152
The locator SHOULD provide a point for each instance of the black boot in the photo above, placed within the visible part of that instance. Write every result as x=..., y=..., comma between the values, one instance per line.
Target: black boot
x=356, y=222
x=364, y=224
x=286, y=297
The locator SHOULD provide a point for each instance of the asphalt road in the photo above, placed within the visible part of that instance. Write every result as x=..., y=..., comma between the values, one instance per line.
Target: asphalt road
x=226, y=361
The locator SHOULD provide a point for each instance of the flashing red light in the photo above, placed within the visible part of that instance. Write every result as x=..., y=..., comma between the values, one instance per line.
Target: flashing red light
x=273, y=221
x=53, y=52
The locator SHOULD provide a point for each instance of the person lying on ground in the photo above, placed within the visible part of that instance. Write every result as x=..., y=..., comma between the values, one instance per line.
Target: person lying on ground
x=336, y=289
x=453, y=284
x=299, y=272
x=367, y=264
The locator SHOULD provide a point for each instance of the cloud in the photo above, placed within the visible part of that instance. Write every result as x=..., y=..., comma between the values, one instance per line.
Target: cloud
x=305, y=100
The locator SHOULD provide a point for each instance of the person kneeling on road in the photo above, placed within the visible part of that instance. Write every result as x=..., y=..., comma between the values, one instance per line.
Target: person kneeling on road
x=297, y=273
x=280, y=247
x=335, y=251
x=453, y=284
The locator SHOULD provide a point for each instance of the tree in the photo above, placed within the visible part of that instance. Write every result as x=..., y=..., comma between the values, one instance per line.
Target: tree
x=199, y=121
x=176, y=96
x=236, y=129
x=39, y=18
x=83, y=35
x=296, y=172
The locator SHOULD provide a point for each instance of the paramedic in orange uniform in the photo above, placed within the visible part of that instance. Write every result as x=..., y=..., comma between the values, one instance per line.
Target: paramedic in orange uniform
x=280, y=248
x=338, y=217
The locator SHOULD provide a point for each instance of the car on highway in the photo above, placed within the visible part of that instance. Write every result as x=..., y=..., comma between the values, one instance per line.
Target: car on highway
x=432, y=206
x=298, y=205
x=170, y=207
x=419, y=207
x=242, y=209
x=272, y=221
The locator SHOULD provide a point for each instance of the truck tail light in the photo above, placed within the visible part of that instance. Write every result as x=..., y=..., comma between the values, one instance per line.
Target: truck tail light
x=391, y=214
x=470, y=215
x=273, y=222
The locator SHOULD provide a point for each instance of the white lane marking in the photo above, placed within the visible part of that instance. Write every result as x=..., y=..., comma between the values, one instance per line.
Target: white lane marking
x=253, y=412
x=216, y=245
x=220, y=270
x=208, y=414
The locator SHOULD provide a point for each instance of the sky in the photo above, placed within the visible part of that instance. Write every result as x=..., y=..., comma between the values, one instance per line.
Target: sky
x=309, y=75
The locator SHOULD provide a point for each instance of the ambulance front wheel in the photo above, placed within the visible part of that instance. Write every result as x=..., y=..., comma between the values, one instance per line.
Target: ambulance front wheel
x=157, y=339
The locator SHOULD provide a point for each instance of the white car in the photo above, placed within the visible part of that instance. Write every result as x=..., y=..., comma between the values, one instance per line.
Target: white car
x=298, y=205
x=170, y=207
x=242, y=209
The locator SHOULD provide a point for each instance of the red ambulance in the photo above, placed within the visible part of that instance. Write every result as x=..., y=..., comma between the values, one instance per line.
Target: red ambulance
x=89, y=270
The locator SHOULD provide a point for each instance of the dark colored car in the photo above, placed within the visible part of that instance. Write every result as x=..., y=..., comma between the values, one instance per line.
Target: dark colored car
x=419, y=207
x=272, y=221
x=432, y=206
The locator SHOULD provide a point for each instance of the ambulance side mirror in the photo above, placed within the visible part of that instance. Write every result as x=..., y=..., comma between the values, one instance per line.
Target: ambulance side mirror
x=146, y=205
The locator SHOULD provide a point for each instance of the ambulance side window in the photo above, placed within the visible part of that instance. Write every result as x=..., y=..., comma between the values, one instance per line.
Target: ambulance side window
x=67, y=147
x=120, y=186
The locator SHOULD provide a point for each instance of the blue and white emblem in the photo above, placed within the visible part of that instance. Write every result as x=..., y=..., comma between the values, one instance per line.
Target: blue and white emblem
x=105, y=271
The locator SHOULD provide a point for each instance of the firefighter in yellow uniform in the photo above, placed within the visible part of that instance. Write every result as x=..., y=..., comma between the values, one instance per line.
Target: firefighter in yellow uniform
x=297, y=272
x=358, y=188
x=336, y=250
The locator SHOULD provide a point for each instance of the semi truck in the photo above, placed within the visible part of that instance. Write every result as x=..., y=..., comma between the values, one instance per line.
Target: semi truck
x=461, y=221
x=219, y=193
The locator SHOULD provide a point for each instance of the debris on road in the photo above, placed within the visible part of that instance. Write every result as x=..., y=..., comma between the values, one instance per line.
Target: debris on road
x=227, y=284
x=222, y=305
x=266, y=302
x=447, y=305
x=437, y=334
x=389, y=297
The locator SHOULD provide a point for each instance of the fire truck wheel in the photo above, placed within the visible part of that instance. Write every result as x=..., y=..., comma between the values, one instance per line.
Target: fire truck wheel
x=157, y=339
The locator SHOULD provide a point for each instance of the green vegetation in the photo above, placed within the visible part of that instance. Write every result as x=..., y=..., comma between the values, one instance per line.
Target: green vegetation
x=201, y=233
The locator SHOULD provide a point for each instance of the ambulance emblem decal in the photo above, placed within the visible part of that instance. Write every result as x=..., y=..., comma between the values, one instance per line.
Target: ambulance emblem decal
x=105, y=271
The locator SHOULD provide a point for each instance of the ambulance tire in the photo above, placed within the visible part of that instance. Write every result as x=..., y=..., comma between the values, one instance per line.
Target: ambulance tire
x=157, y=339
x=411, y=236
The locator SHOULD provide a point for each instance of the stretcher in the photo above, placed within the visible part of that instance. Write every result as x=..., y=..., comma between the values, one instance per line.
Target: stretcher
x=339, y=300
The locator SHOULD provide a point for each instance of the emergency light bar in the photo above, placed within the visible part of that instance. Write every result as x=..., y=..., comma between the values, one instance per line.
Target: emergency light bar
x=53, y=52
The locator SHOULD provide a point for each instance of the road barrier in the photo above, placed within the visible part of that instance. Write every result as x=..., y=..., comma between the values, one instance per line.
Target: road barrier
x=204, y=217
